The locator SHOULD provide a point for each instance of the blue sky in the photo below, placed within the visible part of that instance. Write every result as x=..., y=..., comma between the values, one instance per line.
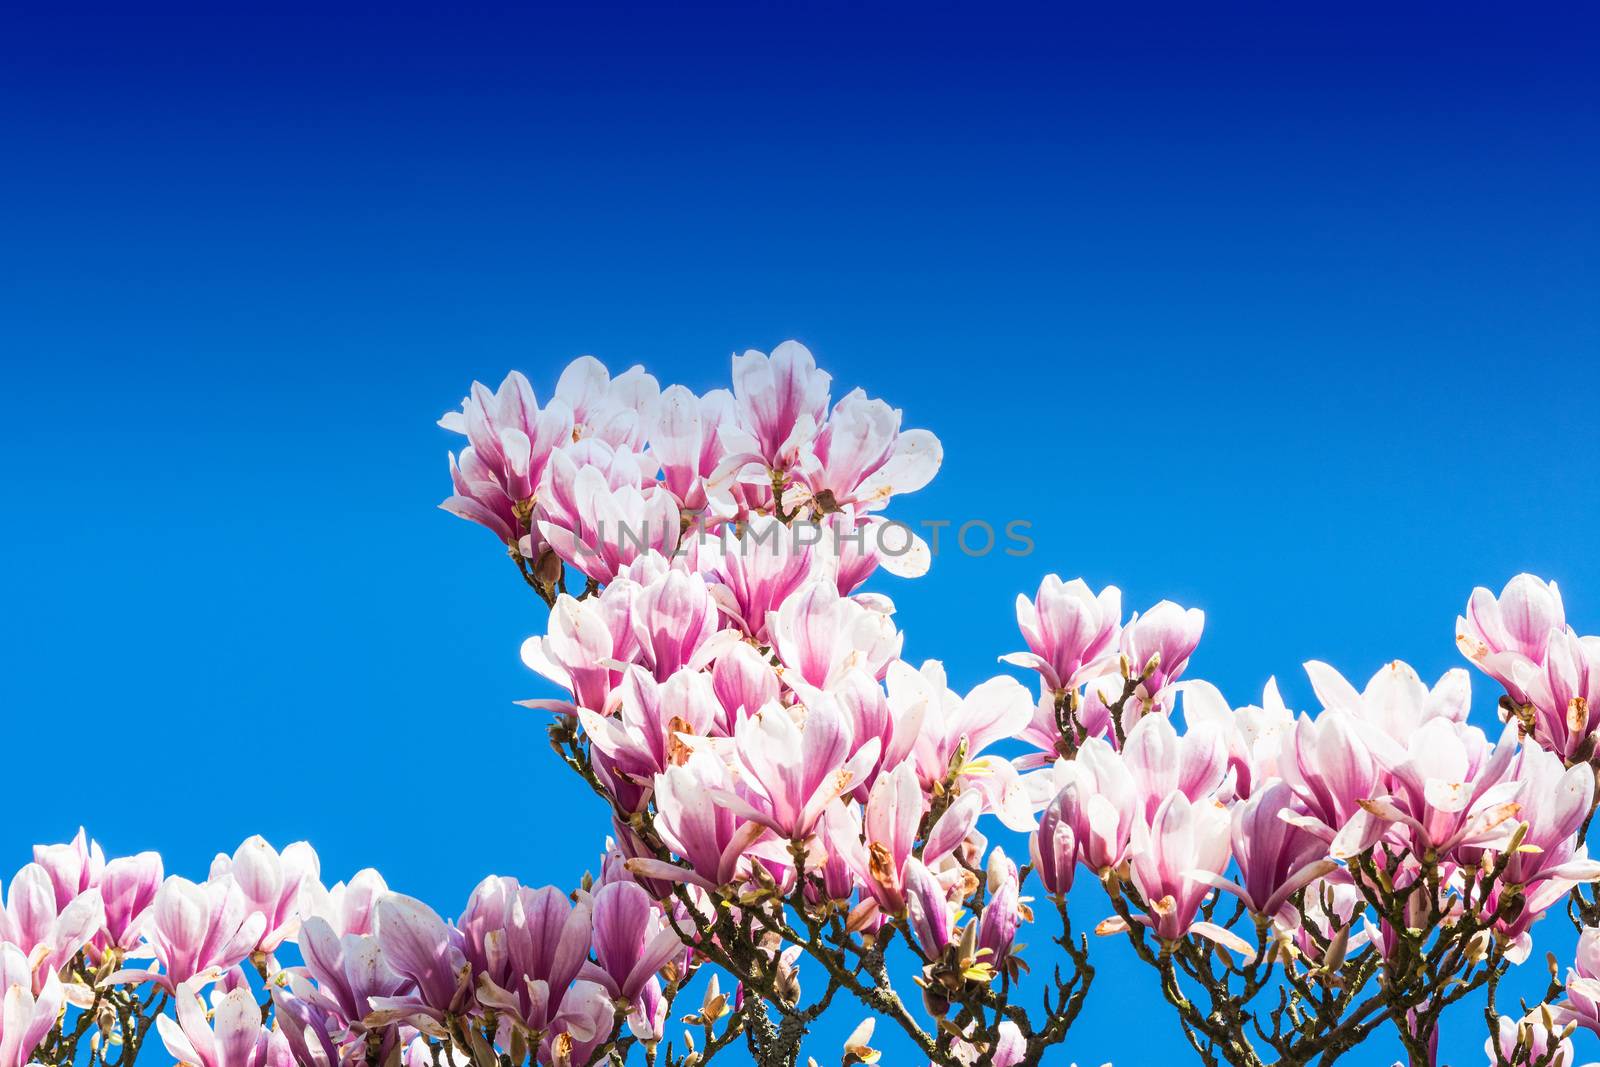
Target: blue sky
x=1282, y=316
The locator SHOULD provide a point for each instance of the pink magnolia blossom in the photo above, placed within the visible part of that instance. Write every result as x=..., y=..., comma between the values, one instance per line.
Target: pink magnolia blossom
x=426, y=951
x=820, y=636
x=1535, y=1039
x=1512, y=631
x=687, y=441
x=26, y=1015
x=1582, y=1005
x=873, y=718
x=863, y=458
x=512, y=440
x=74, y=868
x=927, y=910
x=1161, y=641
x=708, y=836
x=274, y=885
x=587, y=645
x=1276, y=858
x=196, y=932
x=346, y=907
x=1450, y=786
x=1396, y=702
x=527, y=949
x=1184, y=846
x=1253, y=736
x=599, y=513
x=957, y=730
x=1163, y=762
x=878, y=847
x=781, y=401
x=1552, y=803
x=756, y=572
x=620, y=412
x=642, y=739
x=1564, y=692
x=631, y=943
x=1099, y=800
x=236, y=1036
x=790, y=770
x=350, y=971
x=1329, y=765
x=1071, y=632
x=676, y=624
x=743, y=681
x=128, y=888
x=1003, y=914
x=47, y=936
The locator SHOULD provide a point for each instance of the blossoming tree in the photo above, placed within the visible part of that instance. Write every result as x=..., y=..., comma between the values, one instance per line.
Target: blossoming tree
x=799, y=819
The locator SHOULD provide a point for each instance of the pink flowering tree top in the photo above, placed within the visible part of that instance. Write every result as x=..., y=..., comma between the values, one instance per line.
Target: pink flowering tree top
x=799, y=819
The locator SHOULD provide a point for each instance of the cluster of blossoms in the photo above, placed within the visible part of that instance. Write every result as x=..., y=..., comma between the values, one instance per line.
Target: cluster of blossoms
x=790, y=799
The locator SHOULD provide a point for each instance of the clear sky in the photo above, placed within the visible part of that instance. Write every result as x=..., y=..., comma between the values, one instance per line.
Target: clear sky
x=1288, y=316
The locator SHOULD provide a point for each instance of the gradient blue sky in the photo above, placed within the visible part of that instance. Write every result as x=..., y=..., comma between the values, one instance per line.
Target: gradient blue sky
x=1284, y=315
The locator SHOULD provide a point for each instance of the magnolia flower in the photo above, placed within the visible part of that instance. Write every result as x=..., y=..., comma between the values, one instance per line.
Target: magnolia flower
x=1505, y=633
x=196, y=932
x=1451, y=787
x=1158, y=645
x=1565, y=693
x=599, y=514
x=873, y=718
x=128, y=887
x=863, y=458
x=619, y=412
x=511, y=444
x=350, y=972
x=687, y=441
x=526, y=949
x=237, y=1036
x=1252, y=736
x=781, y=401
x=643, y=738
x=1003, y=914
x=820, y=636
x=894, y=813
x=1175, y=857
x=1396, y=702
x=1071, y=632
x=27, y=1015
x=274, y=885
x=1162, y=762
x=632, y=943
x=1332, y=771
x=588, y=643
x=755, y=573
x=957, y=730
x=1535, y=1039
x=790, y=771
x=74, y=868
x=708, y=836
x=1101, y=808
x=422, y=948
x=927, y=910
x=346, y=907
x=1276, y=858
x=48, y=937
x=1582, y=1005
x=743, y=681
x=676, y=624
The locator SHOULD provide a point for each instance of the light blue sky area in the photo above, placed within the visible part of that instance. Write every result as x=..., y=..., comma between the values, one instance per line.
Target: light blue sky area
x=1289, y=320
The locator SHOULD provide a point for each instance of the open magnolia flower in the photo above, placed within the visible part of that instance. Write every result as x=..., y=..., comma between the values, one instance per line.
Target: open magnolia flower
x=801, y=819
